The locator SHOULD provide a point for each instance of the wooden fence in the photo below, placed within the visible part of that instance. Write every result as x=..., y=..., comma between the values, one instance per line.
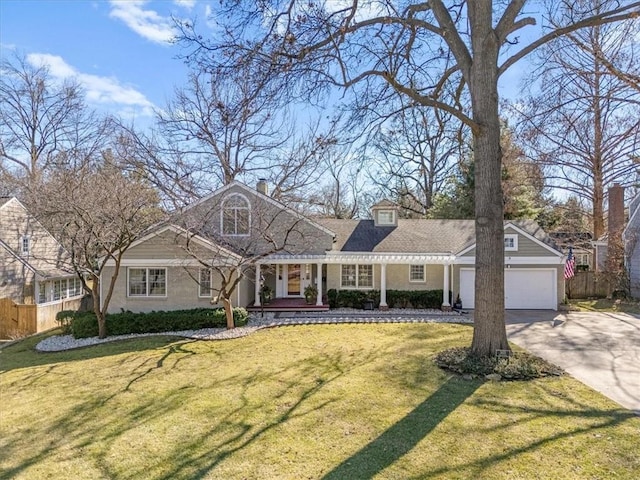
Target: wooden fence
x=588, y=284
x=17, y=320
x=21, y=320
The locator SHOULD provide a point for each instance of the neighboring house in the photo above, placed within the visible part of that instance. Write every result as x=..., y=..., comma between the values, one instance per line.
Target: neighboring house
x=238, y=227
x=33, y=265
x=631, y=237
x=581, y=244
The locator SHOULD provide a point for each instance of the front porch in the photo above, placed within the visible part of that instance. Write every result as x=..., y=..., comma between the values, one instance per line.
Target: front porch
x=289, y=305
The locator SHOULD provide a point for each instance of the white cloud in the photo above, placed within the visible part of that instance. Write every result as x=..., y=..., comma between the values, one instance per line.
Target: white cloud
x=104, y=91
x=146, y=23
x=188, y=4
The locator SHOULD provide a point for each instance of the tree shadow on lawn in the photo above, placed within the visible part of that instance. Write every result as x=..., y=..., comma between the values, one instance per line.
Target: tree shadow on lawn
x=101, y=422
x=405, y=434
x=24, y=355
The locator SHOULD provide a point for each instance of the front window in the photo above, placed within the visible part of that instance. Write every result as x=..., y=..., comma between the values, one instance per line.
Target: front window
x=147, y=282
x=59, y=287
x=357, y=276
x=205, y=282
x=235, y=216
x=42, y=292
x=25, y=245
x=416, y=273
x=75, y=287
x=511, y=243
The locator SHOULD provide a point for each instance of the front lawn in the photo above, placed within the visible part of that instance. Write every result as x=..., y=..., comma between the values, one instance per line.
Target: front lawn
x=314, y=402
x=608, y=305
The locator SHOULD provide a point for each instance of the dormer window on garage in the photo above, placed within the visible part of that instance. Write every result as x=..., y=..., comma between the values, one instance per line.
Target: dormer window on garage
x=235, y=215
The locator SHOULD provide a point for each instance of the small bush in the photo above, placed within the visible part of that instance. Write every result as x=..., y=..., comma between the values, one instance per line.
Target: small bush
x=395, y=298
x=519, y=366
x=64, y=319
x=86, y=325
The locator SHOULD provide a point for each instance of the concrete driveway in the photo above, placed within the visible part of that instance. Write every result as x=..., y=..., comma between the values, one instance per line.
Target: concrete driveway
x=601, y=350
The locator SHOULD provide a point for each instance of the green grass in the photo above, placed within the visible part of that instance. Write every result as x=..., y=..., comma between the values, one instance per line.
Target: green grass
x=608, y=305
x=317, y=402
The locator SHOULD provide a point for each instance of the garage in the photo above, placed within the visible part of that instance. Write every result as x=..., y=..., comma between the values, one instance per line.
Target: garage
x=525, y=288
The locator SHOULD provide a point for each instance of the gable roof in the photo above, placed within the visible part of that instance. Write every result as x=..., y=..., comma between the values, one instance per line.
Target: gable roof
x=44, y=267
x=4, y=200
x=409, y=236
x=181, y=231
x=422, y=235
x=261, y=196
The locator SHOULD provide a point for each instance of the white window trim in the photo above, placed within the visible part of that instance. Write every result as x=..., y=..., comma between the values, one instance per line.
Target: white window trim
x=513, y=236
x=424, y=274
x=228, y=197
x=146, y=295
x=22, y=243
x=387, y=224
x=357, y=286
x=208, y=295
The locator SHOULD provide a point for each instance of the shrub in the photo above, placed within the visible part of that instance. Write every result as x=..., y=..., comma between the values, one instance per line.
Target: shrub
x=519, y=366
x=86, y=325
x=395, y=298
x=64, y=319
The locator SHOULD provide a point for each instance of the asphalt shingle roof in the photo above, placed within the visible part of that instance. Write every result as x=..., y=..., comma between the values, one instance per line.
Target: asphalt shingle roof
x=414, y=235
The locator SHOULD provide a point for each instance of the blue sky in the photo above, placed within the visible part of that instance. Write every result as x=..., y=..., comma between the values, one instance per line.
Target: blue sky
x=118, y=50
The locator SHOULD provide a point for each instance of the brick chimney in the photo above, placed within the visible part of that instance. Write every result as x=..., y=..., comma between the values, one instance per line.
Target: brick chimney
x=262, y=186
x=616, y=209
x=615, y=249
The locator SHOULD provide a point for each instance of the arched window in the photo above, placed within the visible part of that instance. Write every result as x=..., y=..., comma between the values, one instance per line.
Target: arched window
x=236, y=217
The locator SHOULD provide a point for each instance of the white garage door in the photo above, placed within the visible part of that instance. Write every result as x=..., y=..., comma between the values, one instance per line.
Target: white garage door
x=524, y=288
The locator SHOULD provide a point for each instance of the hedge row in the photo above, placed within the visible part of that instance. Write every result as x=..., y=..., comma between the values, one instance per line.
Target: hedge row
x=395, y=298
x=85, y=324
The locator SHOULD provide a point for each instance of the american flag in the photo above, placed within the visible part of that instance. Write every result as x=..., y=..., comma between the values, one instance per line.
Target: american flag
x=570, y=266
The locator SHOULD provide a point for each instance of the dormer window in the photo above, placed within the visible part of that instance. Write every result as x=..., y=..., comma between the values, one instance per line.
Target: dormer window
x=386, y=217
x=235, y=216
x=385, y=214
x=25, y=245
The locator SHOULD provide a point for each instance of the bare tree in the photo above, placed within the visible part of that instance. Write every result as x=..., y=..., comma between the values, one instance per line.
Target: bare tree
x=582, y=124
x=431, y=52
x=418, y=150
x=41, y=121
x=96, y=211
x=225, y=121
x=342, y=189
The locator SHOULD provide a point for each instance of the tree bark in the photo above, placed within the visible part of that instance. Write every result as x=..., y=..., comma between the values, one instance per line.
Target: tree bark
x=100, y=315
x=226, y=302
x=489, y=332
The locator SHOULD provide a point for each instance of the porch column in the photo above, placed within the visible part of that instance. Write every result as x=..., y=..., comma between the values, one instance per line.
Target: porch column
x=445, y=289
x=256, y=302
x=319, y=283
x=383, y=286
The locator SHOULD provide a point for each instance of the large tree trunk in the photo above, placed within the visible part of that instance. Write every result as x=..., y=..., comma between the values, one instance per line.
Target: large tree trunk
x=489, y=333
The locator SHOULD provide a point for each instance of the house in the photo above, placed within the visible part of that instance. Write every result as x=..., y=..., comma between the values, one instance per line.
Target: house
x=630, y=236
x=581, y=244
x=178, y=264
x=33, y=270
